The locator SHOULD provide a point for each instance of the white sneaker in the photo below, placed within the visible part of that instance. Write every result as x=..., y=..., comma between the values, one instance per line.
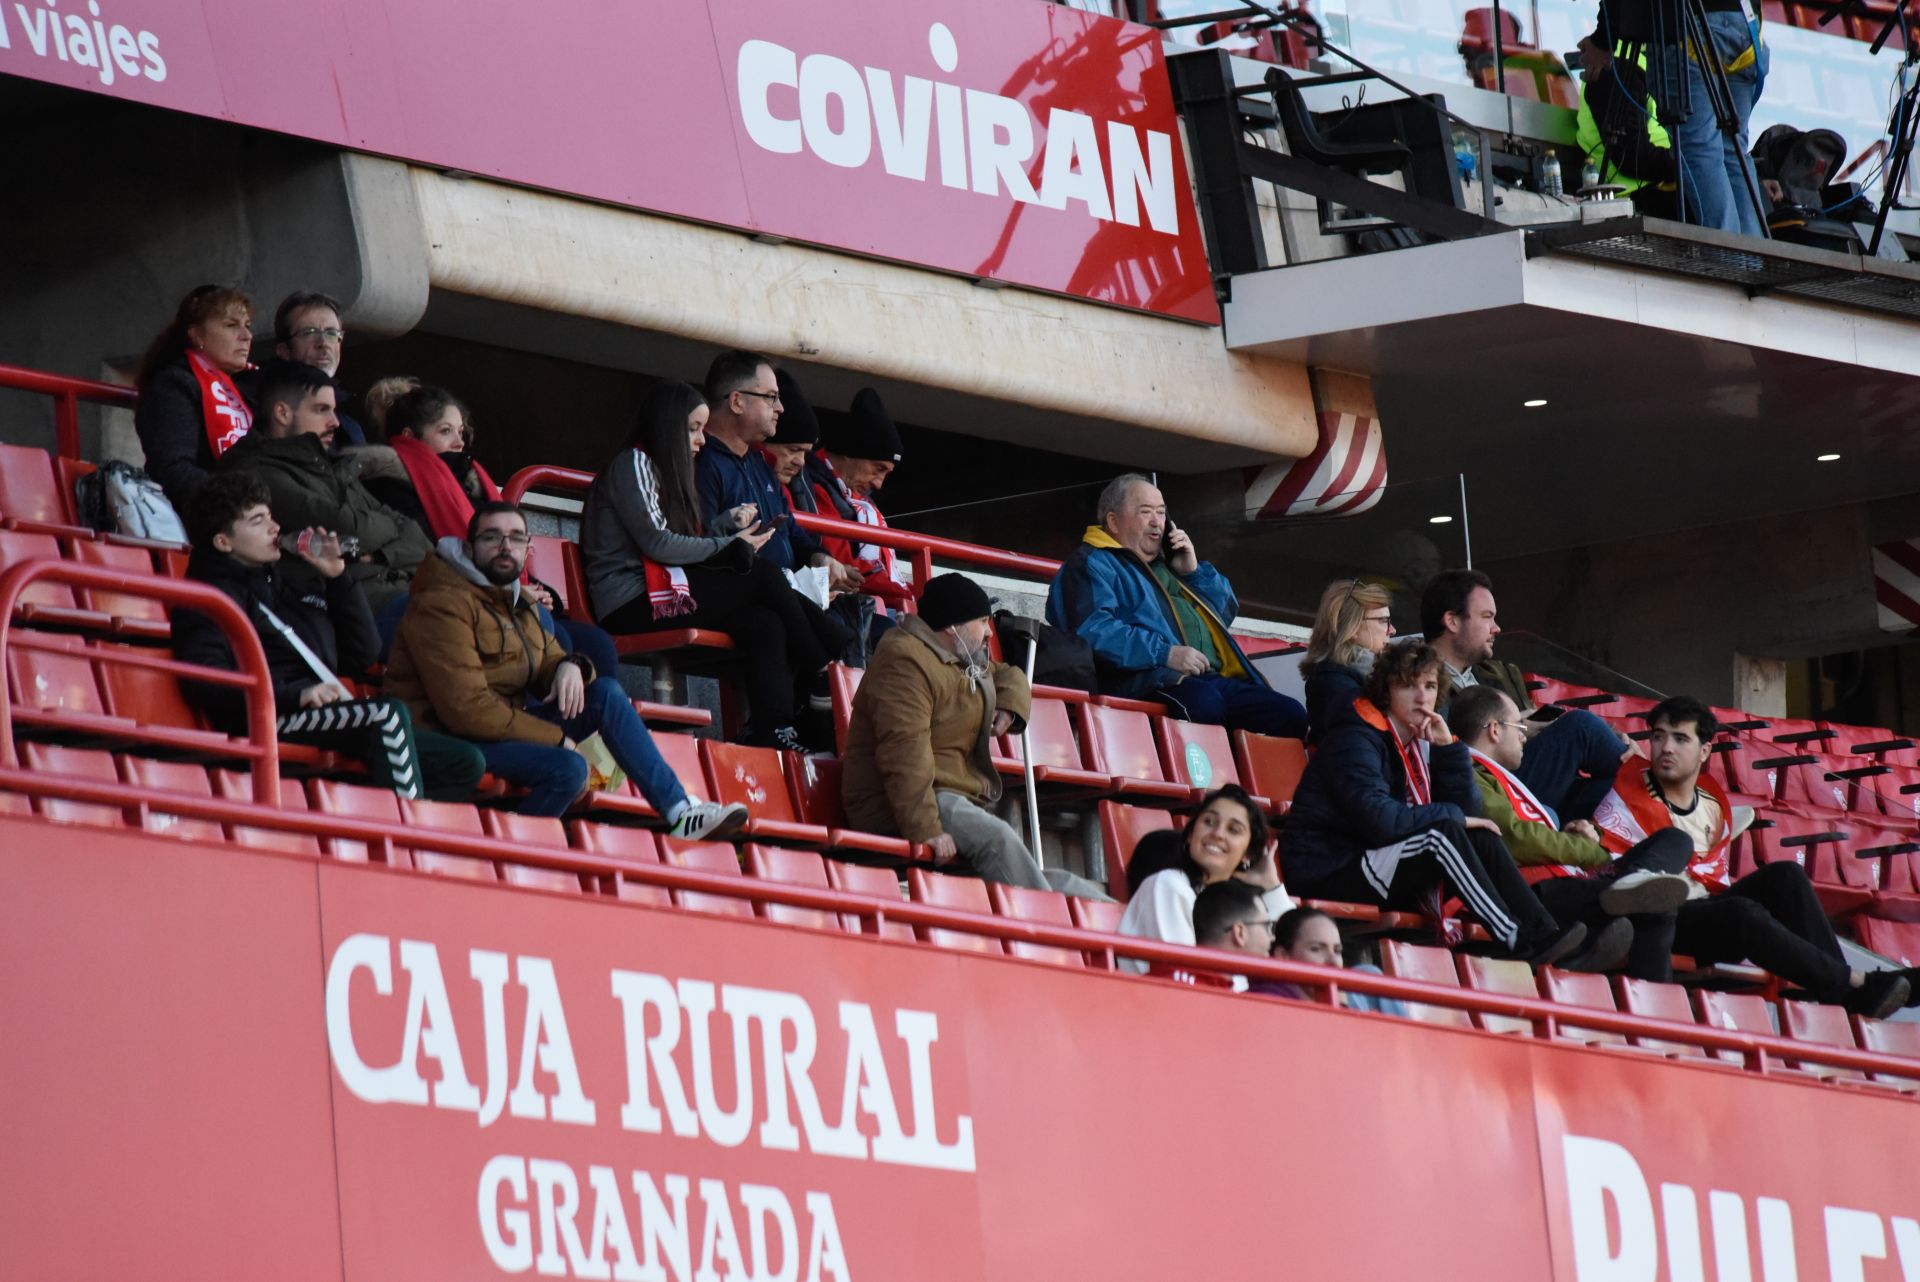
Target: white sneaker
x=707, y=821
x=1645, y=891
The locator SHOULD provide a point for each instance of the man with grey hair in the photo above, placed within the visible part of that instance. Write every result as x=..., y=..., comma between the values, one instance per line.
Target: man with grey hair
x=1157, y=616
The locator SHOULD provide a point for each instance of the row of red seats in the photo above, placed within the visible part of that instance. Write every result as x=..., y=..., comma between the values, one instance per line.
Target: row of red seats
x=1739, y=1012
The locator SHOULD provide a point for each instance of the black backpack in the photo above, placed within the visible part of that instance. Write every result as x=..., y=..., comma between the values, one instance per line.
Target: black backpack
x=1063, y=660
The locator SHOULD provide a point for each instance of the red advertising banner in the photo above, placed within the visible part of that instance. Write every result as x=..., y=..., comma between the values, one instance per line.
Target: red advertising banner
x=231, y=1065
x=1012, y=140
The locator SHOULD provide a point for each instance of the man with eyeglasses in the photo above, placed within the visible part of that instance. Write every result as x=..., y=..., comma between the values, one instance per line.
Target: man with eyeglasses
x=1231, y=915
x=473, y=658
x=307, y=328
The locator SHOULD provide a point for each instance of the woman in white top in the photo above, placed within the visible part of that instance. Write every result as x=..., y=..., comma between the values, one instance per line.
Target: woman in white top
x=1228, y=838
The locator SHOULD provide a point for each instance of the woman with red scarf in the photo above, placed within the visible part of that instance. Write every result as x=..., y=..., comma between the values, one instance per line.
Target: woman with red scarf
x=190, y=411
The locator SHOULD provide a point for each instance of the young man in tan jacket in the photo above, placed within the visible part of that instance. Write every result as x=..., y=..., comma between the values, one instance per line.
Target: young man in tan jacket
x=919, y=758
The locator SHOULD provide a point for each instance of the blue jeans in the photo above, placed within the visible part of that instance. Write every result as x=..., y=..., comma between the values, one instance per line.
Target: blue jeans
x=1714, y=168
x=1556, y=756
x=1214, y=700
x=555, y=776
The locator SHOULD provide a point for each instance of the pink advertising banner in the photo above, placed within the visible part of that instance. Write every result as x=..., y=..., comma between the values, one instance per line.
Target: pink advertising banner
x=1012, y=140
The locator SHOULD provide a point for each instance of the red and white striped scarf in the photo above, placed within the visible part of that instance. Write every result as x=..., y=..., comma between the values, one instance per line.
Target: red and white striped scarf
x=225, y=414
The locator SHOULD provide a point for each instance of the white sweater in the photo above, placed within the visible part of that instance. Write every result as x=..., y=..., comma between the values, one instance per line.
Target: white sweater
x=1163, y=910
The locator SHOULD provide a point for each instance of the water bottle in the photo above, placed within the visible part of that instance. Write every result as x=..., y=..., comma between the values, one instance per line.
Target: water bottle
x=1550, y=184
x=1466, y=159
x=324, y=546
x=1589, y=178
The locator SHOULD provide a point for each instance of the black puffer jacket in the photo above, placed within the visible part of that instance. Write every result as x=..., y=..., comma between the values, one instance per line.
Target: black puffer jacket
x=311, y=488
x=330, y=615
x=1353, y=798
x=1331, y=689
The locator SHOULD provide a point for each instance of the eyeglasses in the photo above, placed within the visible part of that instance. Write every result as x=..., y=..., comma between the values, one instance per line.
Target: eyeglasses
x=1379, y=618
x=1262, y=922
x=771, y=397
x=493, y=537
x=1513, y=725
x=328, y=332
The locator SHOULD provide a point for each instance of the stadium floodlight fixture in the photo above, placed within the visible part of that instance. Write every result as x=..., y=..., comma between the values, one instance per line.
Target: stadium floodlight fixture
x=1442, y=519
x=1826, y=458
x=1534, y=404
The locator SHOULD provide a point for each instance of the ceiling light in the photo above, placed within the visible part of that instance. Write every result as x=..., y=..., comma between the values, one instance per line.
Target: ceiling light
x=1533, y=405
x=1440, y=520
x=1826, y=458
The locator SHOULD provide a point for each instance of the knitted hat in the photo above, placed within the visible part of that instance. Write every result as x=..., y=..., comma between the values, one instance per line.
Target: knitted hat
x=951, y=599
x=866, y=432
x=797, y=425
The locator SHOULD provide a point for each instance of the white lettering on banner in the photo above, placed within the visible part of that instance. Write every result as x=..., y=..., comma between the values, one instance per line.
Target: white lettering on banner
x=984, y=141
x=1601, y=1171
x=110, y=52
x=547, y=1237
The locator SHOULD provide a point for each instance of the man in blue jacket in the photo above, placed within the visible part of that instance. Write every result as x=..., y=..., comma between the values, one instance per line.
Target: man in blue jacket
x=1156, y=617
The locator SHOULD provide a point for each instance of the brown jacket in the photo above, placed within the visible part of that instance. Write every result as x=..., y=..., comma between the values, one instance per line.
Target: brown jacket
x=468, y=656
x=918, y=725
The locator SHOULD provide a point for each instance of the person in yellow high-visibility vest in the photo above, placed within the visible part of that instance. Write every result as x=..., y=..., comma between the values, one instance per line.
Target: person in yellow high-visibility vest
x=1618, y=131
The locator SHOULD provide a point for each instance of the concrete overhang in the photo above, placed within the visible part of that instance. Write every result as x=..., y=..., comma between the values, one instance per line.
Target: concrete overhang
x=1672, y=400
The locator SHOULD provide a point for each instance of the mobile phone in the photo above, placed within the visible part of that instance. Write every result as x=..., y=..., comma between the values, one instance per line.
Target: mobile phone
x=1544, y=713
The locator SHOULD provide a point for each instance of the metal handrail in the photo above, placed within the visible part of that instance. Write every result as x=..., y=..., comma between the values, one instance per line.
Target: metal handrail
x=1757, y=1050
x=67, y=393
x=262, y=746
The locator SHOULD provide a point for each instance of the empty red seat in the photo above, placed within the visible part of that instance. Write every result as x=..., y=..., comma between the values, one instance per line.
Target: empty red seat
x=1896, y=940
x=1893, y=1037
x=182, y=777
x=447, y=816
x=1199, y=756
x=1570, y=988
x=1875, y=742
x=843, y=683
x=555, y=561
x=1735, y=763
x=52, y=675
x=1096, y=914
x=139, y=615
x=1897, y=790
x=1659, y=1001
x=795, y=867
x=44, y=595
x=237, y=785
x=29, y=490
x=1039, y=906
x=1814, y=783
x=963, y=893
x=1121, y=828
x=1269, y=767
x=1828, y=1025
x=1122, y=746
x=1797, y=734
x=635, y=845
x=73, y=763
x=378, y=805
x=706, y=856
x=1570, y=695
x=1429, y=965
x=757, y=779
x=1818, y=844
x=1499, y=975
x=530, y=830
x=1058, y=764
x=1735, y=1013
x=876, y=883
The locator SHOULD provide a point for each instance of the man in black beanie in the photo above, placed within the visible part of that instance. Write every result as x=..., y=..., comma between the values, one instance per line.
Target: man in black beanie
x=794, y=436
x=919, y=757
x=857, y=453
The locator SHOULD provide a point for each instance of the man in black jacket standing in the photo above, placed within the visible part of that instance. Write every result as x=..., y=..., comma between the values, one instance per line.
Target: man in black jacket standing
x=313, y=621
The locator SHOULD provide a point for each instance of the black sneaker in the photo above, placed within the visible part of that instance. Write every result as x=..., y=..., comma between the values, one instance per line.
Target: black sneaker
x=787, y=739
x=1644, y=891
x=1608, y=951
x=1556, y=946
x=1885, y=992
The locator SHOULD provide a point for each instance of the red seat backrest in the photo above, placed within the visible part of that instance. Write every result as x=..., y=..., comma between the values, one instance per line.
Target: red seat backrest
x=531, y=830
x=1735, y=1012
x=796, y=867
x=1659, y=1001
x=28, y=490
x=1497, y=975
x=1899, y=940
x=963, y=893
x=1121, y=828
x=237, y=785
x=17, y=546
x=358, y=802
x=707, y=856
x=1811, y=784
x=1039, y=906
x=1050, y=728
x=637, y=845
x=1269, y=767
x=555, y=561
x=117, y=556
x=1122, y=742
x=59, y=677
x=752, y=776
x=1893, y=1037
x=1819, y=1022
x=843, y=683
x=814, y=783
x=144, y=695
x=447, y=816
x=1429, y=965
x=173, y=776
x=1197, y=755
x=1578, y=989
x=77, y=763
x=877, y=883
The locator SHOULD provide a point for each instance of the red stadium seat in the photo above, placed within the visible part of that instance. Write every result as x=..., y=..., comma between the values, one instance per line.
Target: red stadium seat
x=73, y=763
x=1735, y=1012
x=30, y=491
x=681, y=752
x=1121, y=828
x=45, y=600
x=530, y=830
x=843, y=683
x=1122, y=746
x=173, y=776
x=1818, y=845
x=1269, y=767
x=1429, y=965
x=706, y=856
x=1897, y=940
x=757, y=778
x=963, y=893
x=447, y=816
x=1096, y=914
x=1892, y=1037
x=1659, y=1001
x=1199, y=756
x=555, y=561
x=1828, y=1025
x=1567, y=694
x=1734, y=762
x=1495, y=975
x=1797, y=734
x=1058, y=765
x=1575, y=989
x=878, y=883
x=637, y=845
x=237, y=785
x=132, y=615
x=1813, y=784
x=814, y=783
x=53, y=675
x=355, y=801
x=1898, y=792
x=1024, y=904
x=1875, y=742
x=797, y=868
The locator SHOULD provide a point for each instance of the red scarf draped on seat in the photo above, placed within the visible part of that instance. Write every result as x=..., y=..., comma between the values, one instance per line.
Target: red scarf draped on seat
x=222, y=409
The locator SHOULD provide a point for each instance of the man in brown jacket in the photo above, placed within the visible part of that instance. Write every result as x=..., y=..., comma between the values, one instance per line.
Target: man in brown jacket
x=473, y=658
x=919, y=760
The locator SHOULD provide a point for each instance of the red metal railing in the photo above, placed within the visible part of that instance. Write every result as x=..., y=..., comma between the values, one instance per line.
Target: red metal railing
x=1759, y=1054
x=67, y=393
x=922, y=548
x=261, y=749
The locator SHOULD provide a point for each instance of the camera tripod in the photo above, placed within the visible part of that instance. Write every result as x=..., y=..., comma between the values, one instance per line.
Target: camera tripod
x=1903, y=125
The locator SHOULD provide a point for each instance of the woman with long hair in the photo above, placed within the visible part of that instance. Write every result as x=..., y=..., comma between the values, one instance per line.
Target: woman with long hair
x=1227, y=838
x=190, y=409
x=652, y=564
x=1350, y=630
x=1387, y=813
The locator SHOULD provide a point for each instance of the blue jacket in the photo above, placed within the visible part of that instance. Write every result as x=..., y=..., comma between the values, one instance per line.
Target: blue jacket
x=1331, y=690
x=1106, y=596
x=1353, y=798
x=726, y=480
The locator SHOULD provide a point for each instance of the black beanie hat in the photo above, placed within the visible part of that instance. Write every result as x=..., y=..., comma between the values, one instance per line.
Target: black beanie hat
x=951, y=599
x=867, y=431
x=797, y=424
